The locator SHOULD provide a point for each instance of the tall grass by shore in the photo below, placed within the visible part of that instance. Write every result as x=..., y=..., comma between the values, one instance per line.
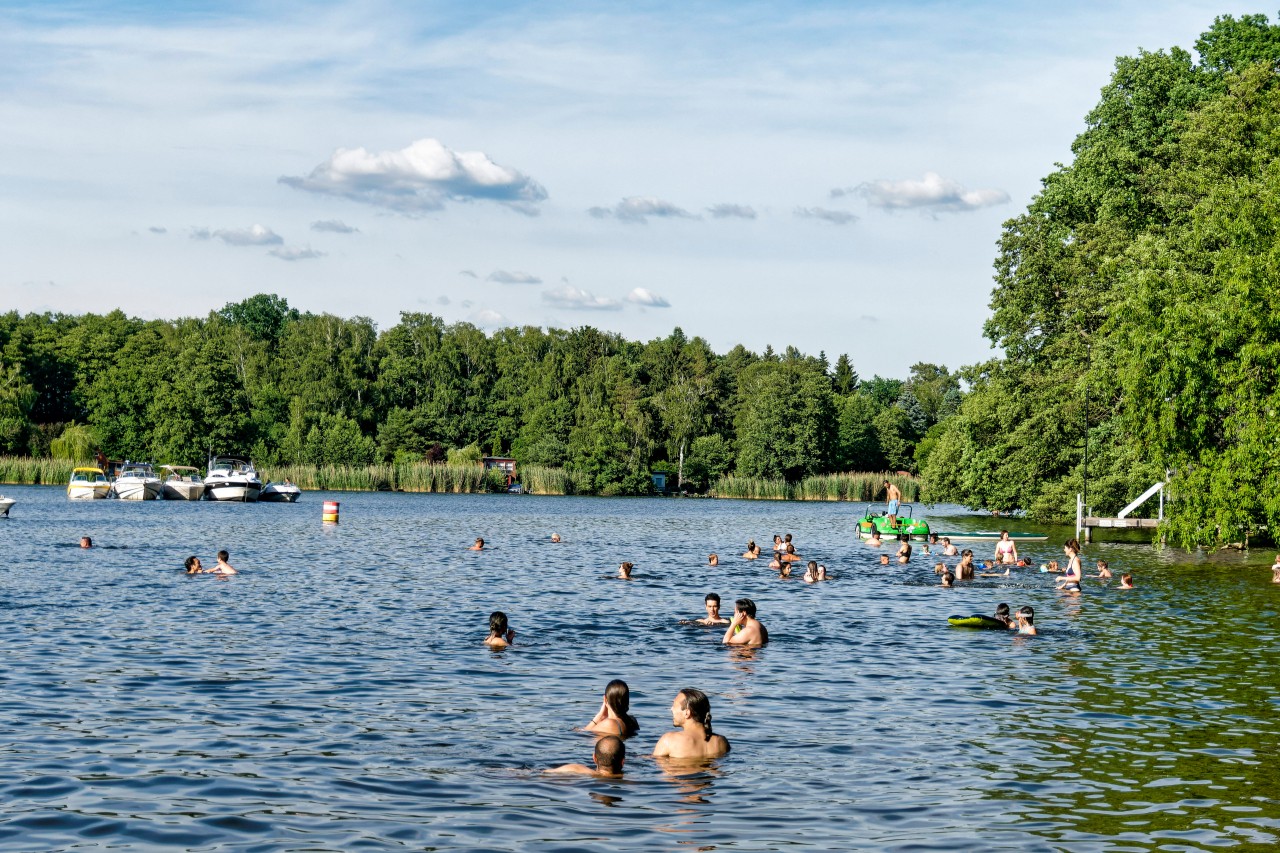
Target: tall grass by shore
x=26, y=471
x=849, y=486
x=403, y=477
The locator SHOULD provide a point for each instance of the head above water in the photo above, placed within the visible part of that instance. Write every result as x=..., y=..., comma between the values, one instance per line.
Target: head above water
x=1072, y=546
x=497, y=623
x=86, y=542
x=609, y=754
x=746, y=605
x=192, y=563
x=698, y=705
x=555, y=537
x=223, y=556
x=1002, y=609
x=1026, y=613
x=712, y=597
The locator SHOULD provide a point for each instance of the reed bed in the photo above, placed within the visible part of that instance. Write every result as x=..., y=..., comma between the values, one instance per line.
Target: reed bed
x=405, y=477
x=28, y=471
x=848, y=486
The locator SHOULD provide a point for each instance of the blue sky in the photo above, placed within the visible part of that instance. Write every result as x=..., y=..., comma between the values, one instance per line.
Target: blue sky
x=828, y=175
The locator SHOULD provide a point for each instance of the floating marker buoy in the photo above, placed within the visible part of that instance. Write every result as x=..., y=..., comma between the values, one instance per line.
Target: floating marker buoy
x=330, y=512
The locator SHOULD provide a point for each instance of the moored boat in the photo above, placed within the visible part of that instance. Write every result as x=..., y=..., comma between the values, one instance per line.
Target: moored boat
x=88, y=484
x=231, y=479
x=137, y=481
x=285, y=492
x=993, y=536
x=876, y=519
x=5, y=505
x=181, y=483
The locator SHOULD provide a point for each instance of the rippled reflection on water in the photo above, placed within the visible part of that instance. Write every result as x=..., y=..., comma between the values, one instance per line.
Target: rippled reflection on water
x=335, y=696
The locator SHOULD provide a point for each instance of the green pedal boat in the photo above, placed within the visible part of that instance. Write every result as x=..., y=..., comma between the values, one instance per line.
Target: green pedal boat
x=876, y=517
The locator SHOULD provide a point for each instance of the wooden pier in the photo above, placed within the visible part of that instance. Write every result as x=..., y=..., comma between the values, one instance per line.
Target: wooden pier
x=1086, y=524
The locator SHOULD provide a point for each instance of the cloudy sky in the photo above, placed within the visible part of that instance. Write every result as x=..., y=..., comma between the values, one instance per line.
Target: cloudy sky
x=828, y=175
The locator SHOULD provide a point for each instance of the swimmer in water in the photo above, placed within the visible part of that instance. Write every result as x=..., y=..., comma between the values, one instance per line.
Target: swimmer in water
x=964, y=571
x=939, y=568
x=1104, y=571
x=193, y=566
x=948, y=579
x=1070, y=580
x=752, y=552
x=777, y=543
x=223, y=567
x=776, y=562
x=478, y=546
x=949, y=550
x=500, y=636
x=744, y=628
x=874, y=540
x=555, y=537
x=1026, y=617
x=609, y=755
x=1126, y=581
x=904, y=550
x=624, y=571
x=86, y=542
x=790, y=556
x=713, y=617
x=930, y=543
x=1275, y=570
x=1002, y=615
x=785, y=571
x=693, y=738
x=822, y=572
x=1006, y=549
x=613, y=717
x=811, y=572
x=884, y=559
x=713, y=560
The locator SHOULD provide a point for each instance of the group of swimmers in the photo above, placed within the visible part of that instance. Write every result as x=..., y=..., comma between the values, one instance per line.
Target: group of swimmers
x=691, y=740
x=195, y=567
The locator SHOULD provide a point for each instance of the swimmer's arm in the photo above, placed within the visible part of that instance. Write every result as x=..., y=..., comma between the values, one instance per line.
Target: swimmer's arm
x=571, y=768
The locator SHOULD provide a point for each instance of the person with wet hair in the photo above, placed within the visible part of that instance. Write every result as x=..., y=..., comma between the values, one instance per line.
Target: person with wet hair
x=811, y=572
x=884, y=559
x=904, y=550
x=752, y=552
x=1006, y=549
x=86, y=542
x=613, y=717
x=193, y=566
x=1026, y=617
x=713, y=617
x=949, y=550
x=1073, y=575
x=744, y=629
x=500, y=636
x=693, y=738
x=478, y=545
x=223, y=567
x=964, y=571
x=948, y=579
x=1002, y=614
x=777, y=561
x=609, y=755
x=874, y=541
x=713, y=559
x=1126, y=581
x=1104, y=571
x=624, y=571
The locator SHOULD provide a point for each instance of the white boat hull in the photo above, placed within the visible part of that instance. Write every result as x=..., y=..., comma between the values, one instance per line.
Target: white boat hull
x=180, y=491
x=138, y=490
x=88, y=491
x=279, y=493
x=5, y=504
x=241, y=492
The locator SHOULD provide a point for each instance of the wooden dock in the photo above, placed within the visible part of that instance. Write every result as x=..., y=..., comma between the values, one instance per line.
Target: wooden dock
x=1089, y=522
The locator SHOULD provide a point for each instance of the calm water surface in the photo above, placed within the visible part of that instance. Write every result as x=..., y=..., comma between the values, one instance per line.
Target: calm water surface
x=335, y=694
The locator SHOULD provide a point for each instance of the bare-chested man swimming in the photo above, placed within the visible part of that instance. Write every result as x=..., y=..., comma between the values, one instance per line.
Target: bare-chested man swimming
x=693, y=738
x=744, y=628
x=609, y=755
x=713, y=617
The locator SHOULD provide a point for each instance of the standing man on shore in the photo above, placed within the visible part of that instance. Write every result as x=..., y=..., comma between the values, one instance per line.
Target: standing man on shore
x=893, y=495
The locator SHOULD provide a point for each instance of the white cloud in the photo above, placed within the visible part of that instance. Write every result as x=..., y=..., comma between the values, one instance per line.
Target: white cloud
x=419, y=178
x=487, y=318
x=513, y=277
x=255, y=235
x=158, y=229
x=568, y=296
x=932, y=192
x=334, y=226
x=731, y=211
x=835, y=217
x=295, y=253
x=640, y=208
x=644, y=296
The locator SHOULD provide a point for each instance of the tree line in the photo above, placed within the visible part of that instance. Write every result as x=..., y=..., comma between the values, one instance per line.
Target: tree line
x=263, y=379
x=1136, y=306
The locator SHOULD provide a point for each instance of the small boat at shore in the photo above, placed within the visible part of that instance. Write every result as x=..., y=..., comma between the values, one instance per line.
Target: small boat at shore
x=993, y=536
x=5, y=505
x=181, y=483
x=878, y=520
x=137, y=481
x=231, y=479
x=88, y=484
x=285, y=492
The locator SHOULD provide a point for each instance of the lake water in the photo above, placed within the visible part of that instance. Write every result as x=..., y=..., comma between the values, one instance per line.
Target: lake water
x=335, y=694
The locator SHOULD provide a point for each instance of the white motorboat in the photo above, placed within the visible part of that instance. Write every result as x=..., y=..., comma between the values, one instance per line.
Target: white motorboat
x=88, y=484
x=231, y=479
x=181, y=483
x=5, y=505
x=285, y=492
x=137, y=481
